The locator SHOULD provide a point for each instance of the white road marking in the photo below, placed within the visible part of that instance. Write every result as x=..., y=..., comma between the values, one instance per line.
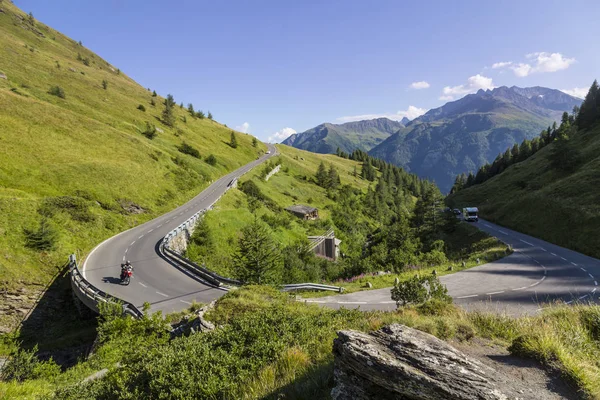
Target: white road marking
x=501, y=231
x=595, y=283
x=573, y=263
x=142, y=284
x=387, y=302
x=489, y=226
x=352, y=302
x=186, y=302
x=466, y=297
x=520, y=288
x=123, y=258
x=126, y=250
x=584, y=296
x=591, y=276
x=594, y=290
x=132, y=243
x=564, y=259
x=543, y=249
x=526, y=242
x=554, y=254
x=491, y=293
x=162, y=294
x=583, y=269
x=141, y=237
x=150, y=230
x=315, y=301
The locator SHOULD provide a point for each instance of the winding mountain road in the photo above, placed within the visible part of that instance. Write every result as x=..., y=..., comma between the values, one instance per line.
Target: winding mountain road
x=155, y=279
x=536, y=274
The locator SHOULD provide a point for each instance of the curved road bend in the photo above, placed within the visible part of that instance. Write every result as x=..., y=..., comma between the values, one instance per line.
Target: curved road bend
x=536, y=274
x=155, y=279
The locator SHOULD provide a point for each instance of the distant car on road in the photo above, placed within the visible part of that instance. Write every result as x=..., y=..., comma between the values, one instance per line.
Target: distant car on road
x=268, y=151
x=456, y=211
x=470, y=214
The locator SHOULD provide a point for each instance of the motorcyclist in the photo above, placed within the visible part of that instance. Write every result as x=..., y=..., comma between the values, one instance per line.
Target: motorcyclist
x=125, y=268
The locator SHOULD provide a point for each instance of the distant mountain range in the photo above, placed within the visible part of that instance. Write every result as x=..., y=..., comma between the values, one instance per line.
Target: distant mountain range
x=363, y=135
x=459, y=136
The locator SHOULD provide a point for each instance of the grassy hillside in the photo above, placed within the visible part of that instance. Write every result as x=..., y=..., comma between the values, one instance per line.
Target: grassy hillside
x=292, y=185
x=81, y=162
x=539, y=199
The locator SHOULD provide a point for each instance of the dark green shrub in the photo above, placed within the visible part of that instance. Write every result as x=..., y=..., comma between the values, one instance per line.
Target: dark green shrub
x=57, y=91
x=104, y=84
x=141, y=108
x=418, y=290
x=189, y=150
x=150, y=131
x=211, y=160
x=43, y=238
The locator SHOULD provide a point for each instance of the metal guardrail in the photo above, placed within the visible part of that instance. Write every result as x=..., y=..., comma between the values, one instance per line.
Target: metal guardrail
x=311, y=286
x=91, y=296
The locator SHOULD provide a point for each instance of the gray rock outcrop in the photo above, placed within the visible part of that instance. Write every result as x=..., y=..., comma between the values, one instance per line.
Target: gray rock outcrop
x=398, y=362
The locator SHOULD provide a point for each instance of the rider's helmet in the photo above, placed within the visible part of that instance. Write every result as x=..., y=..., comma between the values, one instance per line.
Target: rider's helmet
x=128, y=262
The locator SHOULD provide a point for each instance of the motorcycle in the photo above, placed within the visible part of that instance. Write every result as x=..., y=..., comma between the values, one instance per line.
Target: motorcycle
x=126, y=274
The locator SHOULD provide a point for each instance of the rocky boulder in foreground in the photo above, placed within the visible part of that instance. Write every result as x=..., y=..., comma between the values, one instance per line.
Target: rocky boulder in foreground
x=398, y=362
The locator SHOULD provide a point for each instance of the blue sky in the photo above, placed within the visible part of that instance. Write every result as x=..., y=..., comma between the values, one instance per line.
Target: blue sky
x=264, y=66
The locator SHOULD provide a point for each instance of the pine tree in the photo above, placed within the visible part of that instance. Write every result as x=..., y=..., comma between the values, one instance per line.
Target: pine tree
x=168, y=117
x=254, y=142
x=209, y=115
x=104, y=84
x=30, y=19
x=322, y=175
x=200, y=114
x=233, y=141
x=525, y=150
x=589, y=112
x=333, y=178
x=514, y=153
x=258, y=257
x=154, y=93
x=191, y=110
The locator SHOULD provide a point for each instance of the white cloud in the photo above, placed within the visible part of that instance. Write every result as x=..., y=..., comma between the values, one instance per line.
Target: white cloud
x=540, y=62
x=244, y=128
x=419, y=85
x=502, y=64
x=580, y=92
x=411, y=113
x=550, y=62
x=474, y=83
x=281, y=135
x=521, y=69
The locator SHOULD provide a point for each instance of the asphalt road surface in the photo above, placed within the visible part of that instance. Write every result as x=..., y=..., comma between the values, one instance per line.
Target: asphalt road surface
x=538, y=273
x=155, y=279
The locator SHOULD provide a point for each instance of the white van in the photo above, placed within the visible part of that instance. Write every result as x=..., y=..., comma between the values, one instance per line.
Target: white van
x=470, y=214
